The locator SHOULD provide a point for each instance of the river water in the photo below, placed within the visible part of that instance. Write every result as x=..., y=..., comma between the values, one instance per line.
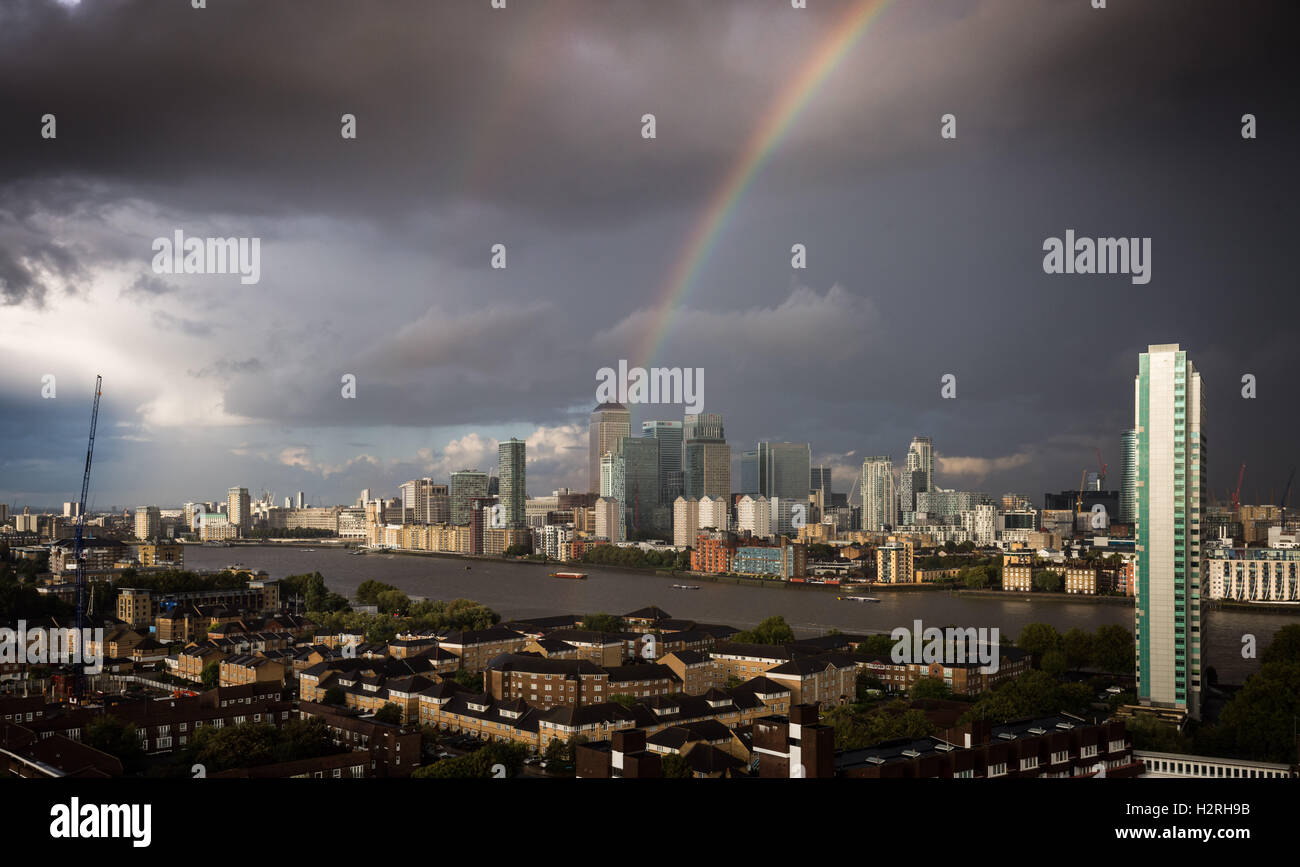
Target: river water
x=517, y=590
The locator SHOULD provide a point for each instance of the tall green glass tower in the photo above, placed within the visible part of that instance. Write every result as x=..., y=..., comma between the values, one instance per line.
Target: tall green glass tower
x=1169, y=420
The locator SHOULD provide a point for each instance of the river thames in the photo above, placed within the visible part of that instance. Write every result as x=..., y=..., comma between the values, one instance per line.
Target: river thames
x=518, y=590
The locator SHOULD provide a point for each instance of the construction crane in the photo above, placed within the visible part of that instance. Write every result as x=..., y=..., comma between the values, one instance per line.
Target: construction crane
x=1236, y=495
x=79, y=536
x=1101, y=476
x=1078, y=501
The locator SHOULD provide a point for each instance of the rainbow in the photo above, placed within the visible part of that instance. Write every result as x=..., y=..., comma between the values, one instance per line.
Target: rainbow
x=769, y=133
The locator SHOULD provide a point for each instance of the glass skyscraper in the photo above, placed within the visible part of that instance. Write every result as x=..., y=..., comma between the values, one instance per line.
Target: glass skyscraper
x=784, y=471
x=610, y=423
x=669, y=434
x=707, y=469
x=512, y=471
x=1169, y=417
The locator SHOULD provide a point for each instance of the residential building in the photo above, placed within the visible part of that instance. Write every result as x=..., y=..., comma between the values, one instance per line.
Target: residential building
x=1169, y=417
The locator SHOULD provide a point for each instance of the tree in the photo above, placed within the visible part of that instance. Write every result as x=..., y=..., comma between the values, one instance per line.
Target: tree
x=1033, y=693
x=482, y=762
x=1113, y=650
x=389, y=713
x=1259, y=721
x=368, y=591
x=773, y=630
x=211, y=675
x=1285, y=646
x=119, y=738
x=1049, y=581
x=468, y=679
x=1038, y=638
x=1077, y=646
x=393, y=602
x=602, y=622
x=875, y=645
x=865, y=683
x=555, y=752
x=519, y=549
x=623, y=698
x=1053, y=662
x=929, y=687
x=676, y=767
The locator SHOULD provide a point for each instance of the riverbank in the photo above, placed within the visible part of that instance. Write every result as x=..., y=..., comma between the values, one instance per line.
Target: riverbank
x=1042, y=596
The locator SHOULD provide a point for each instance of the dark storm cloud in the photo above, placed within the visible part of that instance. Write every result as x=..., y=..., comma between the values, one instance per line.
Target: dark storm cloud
x=480, y=125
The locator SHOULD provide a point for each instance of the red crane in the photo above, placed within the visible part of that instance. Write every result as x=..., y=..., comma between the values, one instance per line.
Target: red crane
x=1236, y=495
x=1101, y=478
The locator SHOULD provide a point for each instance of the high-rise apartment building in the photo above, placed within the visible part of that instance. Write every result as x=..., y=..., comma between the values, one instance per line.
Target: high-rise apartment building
x=238, y=509
x=707, y=468
x=611, y=423
x=466, y=486
x=148, y=522
x=512, y=459
x=424, y=502
x=1128, y=479
x=1169, y=418
x=879, y=496
x=669, y=435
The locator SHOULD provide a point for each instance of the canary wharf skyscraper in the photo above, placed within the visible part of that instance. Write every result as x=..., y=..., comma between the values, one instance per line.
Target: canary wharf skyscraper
x=610, y=423
x=1169, y=418
x=707, y=470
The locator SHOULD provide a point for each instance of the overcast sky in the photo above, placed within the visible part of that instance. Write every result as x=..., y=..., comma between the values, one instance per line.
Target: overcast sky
x=522, y=127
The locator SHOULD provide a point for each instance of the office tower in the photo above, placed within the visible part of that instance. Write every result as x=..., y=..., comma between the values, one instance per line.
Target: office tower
x=674, y=488
x=148, y=522
x=639, y=459
x=288, y=502
x=1169, y=419
x=608, y=466
x=1128, y=479
x=610, y=424
x=669, y=434
x=466, y=485
x=237, y=509
x=820, y=480
x=879, y=497
x=72, y=510
x=704, y=426
x=302, y=500
x=512, y=459
x=707, y=469
x=748, y=472
x=364, y=498
x=784, y=470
